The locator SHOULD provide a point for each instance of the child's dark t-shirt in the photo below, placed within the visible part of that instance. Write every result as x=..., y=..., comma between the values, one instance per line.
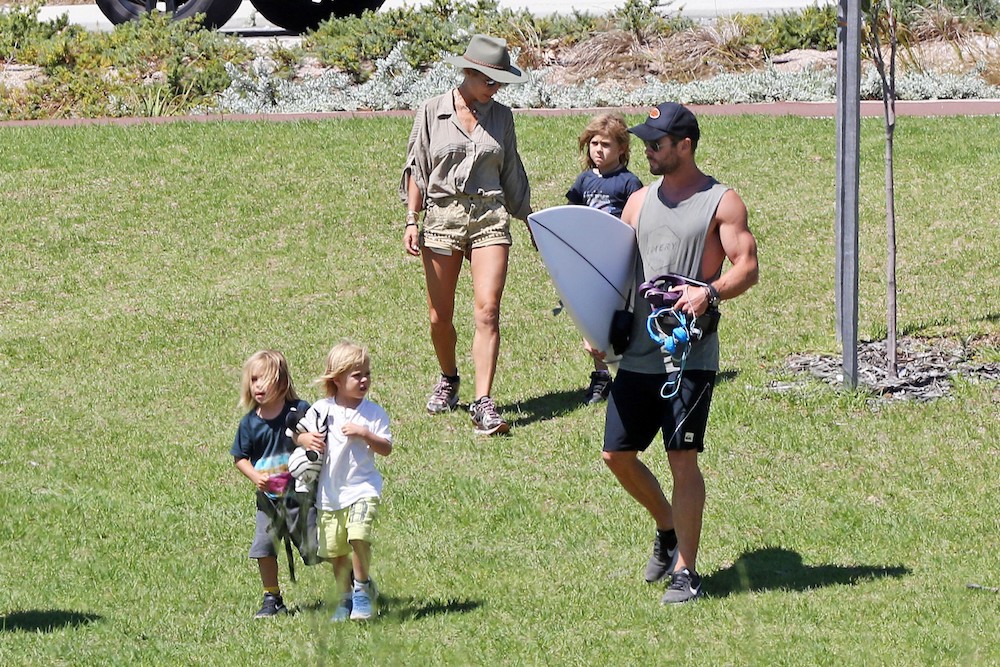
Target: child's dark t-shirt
x=607, y=192
x=264, y=442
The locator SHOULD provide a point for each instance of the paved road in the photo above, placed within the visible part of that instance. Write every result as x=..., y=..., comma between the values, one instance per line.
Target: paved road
x=91, y=17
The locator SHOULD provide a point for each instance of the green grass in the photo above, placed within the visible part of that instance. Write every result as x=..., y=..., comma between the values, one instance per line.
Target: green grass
x=143, y=264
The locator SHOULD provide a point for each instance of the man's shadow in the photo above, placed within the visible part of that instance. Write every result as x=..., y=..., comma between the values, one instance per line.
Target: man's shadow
x=44, y=620
x=774, y=568
x=560, y=403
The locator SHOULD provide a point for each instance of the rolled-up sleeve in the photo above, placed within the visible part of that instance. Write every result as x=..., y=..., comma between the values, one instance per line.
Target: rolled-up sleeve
x=417, y=156
x=513, y=178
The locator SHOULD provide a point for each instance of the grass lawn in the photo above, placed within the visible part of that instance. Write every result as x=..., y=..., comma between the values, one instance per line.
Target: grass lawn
x=143, y=264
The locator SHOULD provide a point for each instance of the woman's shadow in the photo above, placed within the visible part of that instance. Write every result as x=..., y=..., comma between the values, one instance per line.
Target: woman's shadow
x=774, y=568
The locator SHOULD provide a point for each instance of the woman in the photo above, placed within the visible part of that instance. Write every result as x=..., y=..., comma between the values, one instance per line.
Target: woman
x=463, y=170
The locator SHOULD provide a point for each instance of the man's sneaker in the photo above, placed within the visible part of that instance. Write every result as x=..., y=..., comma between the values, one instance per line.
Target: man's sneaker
x=343, y=611
x=273, y=605
x=662, y=562
x=486, y=418
x=685, y=585
x=363, y=601
x=600, y=387
x=444, y=396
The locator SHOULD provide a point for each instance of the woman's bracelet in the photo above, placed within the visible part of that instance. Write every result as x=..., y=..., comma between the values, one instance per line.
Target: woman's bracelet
x=411, y=218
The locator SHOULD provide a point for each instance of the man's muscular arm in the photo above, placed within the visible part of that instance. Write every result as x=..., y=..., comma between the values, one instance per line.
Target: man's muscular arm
x=739, y=246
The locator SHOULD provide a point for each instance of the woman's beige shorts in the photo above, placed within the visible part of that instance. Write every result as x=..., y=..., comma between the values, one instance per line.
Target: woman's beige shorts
x=465, y=223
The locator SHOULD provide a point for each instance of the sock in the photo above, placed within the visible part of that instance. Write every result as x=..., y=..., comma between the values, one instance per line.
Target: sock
x=273, y=590
x=452, y=379
x=667, y=538
x=361, y=585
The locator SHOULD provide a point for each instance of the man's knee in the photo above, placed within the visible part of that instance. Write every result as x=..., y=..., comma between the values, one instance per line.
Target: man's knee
x=684, y=465
x=618, y=461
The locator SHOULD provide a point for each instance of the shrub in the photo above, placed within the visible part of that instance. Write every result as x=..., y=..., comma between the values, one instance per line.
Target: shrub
x=812, y=28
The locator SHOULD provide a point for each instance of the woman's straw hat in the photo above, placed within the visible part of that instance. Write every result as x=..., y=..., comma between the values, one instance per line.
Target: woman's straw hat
x=489, y=55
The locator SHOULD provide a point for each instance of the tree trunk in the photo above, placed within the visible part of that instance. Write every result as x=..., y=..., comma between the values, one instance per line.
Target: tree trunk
x=890, y=267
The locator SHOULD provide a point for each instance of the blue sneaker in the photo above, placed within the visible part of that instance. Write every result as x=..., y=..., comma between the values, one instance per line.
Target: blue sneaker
x=343, y=611
x=363, y=601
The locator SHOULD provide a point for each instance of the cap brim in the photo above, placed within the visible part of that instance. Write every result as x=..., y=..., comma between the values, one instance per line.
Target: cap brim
x=514, y=75
x=647, y=133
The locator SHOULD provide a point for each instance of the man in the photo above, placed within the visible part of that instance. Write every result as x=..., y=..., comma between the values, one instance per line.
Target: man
x=686, y=223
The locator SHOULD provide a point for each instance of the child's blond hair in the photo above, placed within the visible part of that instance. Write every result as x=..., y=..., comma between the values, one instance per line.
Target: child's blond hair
x=611, y=125
x=271, y=367
x=344, y=356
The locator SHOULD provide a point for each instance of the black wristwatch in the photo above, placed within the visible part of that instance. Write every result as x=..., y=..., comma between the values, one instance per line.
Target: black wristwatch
x=713, y=296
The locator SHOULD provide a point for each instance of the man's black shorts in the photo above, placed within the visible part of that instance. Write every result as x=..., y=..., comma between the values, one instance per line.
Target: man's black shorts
x=637, y=410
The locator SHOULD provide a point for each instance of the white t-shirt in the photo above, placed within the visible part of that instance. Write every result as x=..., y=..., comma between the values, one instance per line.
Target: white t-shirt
x=349, y=472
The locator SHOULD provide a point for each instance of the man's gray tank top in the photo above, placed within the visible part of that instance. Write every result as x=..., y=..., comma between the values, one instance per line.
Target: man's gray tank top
x=671, y=239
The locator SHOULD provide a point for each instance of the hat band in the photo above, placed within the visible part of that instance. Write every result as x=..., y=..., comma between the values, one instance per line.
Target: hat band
x=484, y=64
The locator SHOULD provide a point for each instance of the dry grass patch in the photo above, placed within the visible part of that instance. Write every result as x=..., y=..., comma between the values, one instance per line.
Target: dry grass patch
x=621, y=55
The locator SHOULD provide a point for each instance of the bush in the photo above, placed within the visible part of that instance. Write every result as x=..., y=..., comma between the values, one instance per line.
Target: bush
x=812, y=28
x=986, y=12
x=393, y=60
x=91, y=73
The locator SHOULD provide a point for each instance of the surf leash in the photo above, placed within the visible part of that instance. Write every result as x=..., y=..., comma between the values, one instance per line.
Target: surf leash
x=677, y=343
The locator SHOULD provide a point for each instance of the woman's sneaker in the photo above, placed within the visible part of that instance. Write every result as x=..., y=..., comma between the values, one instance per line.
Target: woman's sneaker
x=444, y=396
x=486, y=418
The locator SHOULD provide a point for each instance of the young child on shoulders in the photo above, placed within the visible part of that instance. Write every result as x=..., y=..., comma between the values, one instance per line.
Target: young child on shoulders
x=260, y=451
x=605, y=184
x=349, y=485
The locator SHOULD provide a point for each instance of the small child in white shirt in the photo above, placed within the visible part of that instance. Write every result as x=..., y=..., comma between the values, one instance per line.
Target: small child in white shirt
x=349, y=485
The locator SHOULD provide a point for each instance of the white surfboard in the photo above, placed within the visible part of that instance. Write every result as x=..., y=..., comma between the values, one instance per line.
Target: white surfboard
x=590, y=256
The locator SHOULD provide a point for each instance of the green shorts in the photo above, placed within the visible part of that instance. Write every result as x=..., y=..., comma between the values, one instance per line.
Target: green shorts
x=337, y=529
x=464, y=223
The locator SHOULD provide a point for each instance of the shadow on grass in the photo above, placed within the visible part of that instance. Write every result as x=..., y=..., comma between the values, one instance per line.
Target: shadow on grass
x=774, y=568
x=413, y=609
x=545, y=407
x=406, y=609
x=44, y=620
x=561, y=403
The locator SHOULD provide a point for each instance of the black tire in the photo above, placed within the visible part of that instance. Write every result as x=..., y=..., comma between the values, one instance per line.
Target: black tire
x=303, y=15
x=217, y=12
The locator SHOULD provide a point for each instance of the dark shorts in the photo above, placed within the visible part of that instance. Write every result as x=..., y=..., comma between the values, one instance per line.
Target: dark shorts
x=281, y=519
x=637, y=410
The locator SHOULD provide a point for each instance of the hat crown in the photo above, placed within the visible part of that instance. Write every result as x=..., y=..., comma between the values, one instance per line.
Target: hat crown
x=490, y=56
x=489, y=52
x=668, y=118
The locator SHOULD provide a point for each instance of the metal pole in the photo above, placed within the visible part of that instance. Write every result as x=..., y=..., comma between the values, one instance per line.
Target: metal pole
x=848, y=148
x=839, y=166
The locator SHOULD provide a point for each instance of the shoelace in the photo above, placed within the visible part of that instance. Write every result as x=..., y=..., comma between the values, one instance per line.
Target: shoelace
x=488, y=410
x=443, y=390
x=681, y=581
